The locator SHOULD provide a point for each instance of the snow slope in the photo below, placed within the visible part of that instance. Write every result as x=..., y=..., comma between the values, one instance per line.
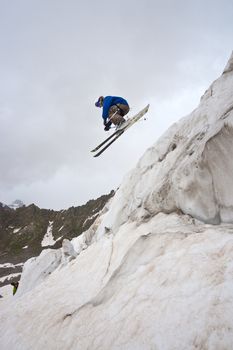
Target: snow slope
x=155, y=270
x=190, y=168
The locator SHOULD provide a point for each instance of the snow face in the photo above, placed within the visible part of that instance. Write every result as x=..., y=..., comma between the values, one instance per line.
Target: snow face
x=166, y=284
x=189, y=168
x=36, y=270
x=155, y=269
x=5, y=292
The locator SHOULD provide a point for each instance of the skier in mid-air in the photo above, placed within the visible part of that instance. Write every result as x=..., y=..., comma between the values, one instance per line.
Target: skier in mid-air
x=114, y=110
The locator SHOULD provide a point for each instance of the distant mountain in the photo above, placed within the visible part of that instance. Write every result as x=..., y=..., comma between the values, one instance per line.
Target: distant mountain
x=16, y=204
x=26, y=230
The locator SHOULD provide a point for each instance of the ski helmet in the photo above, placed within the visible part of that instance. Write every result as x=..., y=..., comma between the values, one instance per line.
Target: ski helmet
x=99, y=102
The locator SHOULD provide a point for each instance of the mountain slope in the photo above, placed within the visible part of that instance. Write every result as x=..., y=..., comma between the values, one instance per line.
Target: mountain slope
x=190, y=168
x=154, y=271
x=27, y=230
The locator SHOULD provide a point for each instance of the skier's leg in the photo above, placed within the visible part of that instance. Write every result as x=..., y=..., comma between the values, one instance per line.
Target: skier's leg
x=115, y=116
x=124, y=109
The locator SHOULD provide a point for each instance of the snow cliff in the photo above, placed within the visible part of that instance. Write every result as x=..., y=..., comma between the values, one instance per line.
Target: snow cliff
x=155, y=269
x=190, y=168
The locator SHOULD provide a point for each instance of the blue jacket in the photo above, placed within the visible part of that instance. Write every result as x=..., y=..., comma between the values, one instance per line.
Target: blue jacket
x=110, y=101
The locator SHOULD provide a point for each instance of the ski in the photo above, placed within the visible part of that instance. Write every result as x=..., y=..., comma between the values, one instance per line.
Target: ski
x=106, y=140
x=108, y=144
x=120, y=131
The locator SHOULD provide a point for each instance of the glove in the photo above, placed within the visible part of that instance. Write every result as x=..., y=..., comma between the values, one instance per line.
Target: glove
x=107, y=125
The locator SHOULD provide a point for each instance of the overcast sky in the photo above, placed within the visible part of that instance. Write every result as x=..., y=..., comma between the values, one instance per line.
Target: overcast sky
x=58, y=56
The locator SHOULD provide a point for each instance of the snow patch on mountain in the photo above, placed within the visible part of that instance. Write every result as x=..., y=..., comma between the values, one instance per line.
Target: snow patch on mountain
x=9, y=265
x=48, y=239
x=16, y=230
x=9, y=277
x=91, y=217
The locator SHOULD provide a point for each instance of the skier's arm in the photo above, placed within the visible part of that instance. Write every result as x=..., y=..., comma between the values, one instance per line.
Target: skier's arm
x=106, y=105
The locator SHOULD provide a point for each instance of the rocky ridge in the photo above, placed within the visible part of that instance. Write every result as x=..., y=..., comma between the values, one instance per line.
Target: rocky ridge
x=27, y=230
